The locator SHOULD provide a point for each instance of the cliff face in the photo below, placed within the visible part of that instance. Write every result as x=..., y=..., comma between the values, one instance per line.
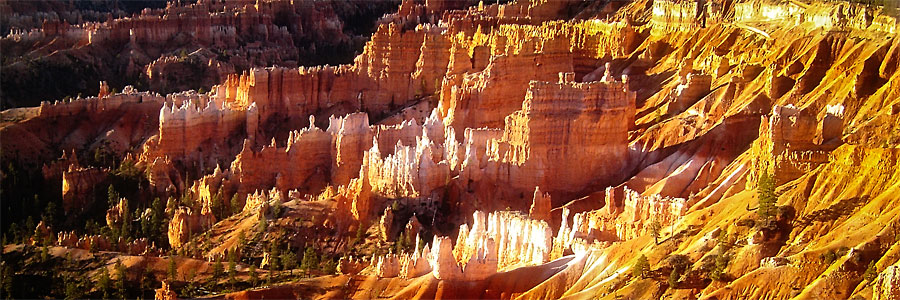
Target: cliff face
x=532, y=152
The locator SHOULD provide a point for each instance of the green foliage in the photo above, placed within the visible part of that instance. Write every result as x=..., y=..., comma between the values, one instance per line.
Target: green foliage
x=718, y=272
x=360, y=236
x=6, y=281
x=329, y=266
x=263, y=223
x=235, y=204
x=725, y=241
x=274, y=256
x=679, y=261
x=45, y=254
x=401, y=244
x=254, y=278
x=218, y=270
x=289, y=260
x=232, y=268
x=103, y=283
x=310, y=259
x=655, y=227
x=832, y=255
x=73, y=289
x=765, y=190
x=172, y=271
x=640, y=268
x=218, y=206
x=871, y=272
x=113, y=196
x=242, y=239
x=121, y=276
x=276, y=209
x=51, y=213
x=673, y=278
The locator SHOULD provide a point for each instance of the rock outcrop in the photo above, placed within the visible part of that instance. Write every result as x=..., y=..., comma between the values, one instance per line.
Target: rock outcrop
x=887, y=284
x=594, y=117
x=186, y=222
x=79, y=185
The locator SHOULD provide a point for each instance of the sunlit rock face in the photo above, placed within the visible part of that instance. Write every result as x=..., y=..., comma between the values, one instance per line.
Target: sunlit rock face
x=796, y=141
x=552, y=142
x=887, y=284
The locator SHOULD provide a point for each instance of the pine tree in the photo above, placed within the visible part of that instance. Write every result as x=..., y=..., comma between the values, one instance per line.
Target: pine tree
x=6, y=280
x=310, y=259
x=232, y=268
x=235, y=204
x=103, y=282
x=112, y=195
x=157, y=214
x=766, y=193
x=254, y=278
x=120, y=280
x=263, y=223
x=640, y=267
x=173, y=270
x=655, y=227
x=218, y=269
x=289, y=260
x=73, y=290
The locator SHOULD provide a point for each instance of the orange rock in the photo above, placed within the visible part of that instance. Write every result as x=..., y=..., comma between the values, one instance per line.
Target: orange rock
x=78, y=185
x=165, y=293
x=540, y=206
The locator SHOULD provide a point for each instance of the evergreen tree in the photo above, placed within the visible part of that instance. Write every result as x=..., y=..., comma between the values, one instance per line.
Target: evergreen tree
x=50, y=213
x=173, y=270
x=6, y=280
x=254, y=278
x=718, y=272
x=289, y=260
x=641, y=267
x=329, y=266
x=263, y=223
x=232, y=269
x=310, y=259
x=766, y=193
x=121, y=276
x=112, y=195
x=218, y=270
x=73, y=290
x=655, y=227
x=125, y=231
x=235, y=204
x=103, y=284
x=276, y=209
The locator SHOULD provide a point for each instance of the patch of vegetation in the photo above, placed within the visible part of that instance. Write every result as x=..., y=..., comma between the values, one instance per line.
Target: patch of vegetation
x=641, y=267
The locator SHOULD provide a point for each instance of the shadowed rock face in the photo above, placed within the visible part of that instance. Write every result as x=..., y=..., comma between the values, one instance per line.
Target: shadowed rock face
x=173, y=47
x=664, y=149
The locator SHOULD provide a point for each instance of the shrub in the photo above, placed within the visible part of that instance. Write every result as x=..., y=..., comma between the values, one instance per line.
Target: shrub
x=871, y=272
